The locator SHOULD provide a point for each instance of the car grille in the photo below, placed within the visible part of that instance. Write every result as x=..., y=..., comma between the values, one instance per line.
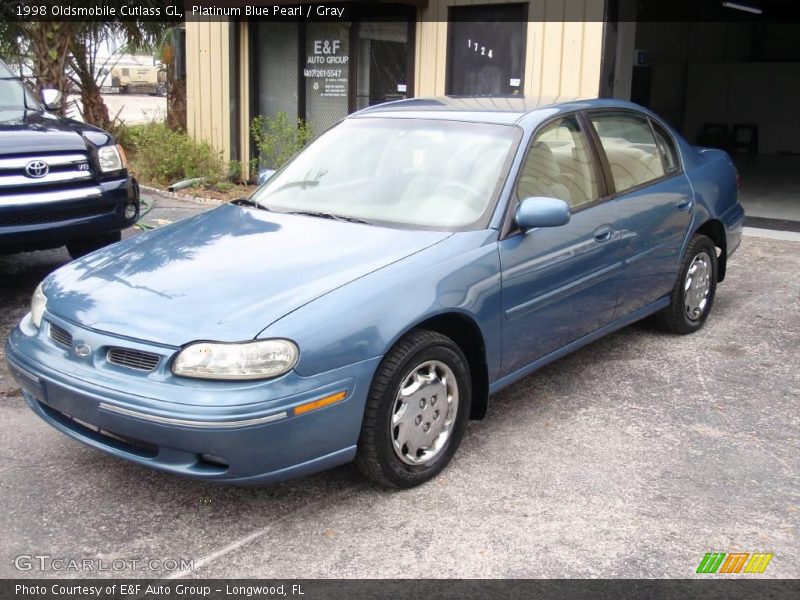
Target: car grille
x=60, y=336
x=56, y=170
x=103, y=436
x=53, y=216
x=133, y=359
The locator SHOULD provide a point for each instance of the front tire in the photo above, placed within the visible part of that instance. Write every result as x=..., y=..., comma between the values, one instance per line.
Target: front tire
x=417, y=411
x=84, y=246
x=692, y=297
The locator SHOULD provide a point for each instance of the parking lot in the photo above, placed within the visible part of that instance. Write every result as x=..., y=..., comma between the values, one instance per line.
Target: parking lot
x=632, y=457
x=128, y=108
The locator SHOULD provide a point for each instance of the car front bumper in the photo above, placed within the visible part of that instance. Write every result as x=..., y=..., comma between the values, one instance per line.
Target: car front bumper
x=51, y=218
x=237, y=432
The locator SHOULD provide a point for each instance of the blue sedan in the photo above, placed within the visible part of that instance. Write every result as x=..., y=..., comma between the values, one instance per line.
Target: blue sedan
x=368, y=299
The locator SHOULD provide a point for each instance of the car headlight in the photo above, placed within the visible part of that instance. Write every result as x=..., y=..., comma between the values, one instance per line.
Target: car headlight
x=261, y=359
x=112, y=158
x=38, y=304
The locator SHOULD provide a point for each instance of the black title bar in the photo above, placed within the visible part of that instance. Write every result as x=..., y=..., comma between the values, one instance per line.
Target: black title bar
x=31, y=11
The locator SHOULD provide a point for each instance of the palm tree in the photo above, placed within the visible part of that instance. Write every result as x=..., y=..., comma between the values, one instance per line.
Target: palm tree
x=84, y=44
x=42, y=44
x=51, y=47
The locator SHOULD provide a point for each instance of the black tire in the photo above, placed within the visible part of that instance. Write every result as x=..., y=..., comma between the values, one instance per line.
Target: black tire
x=675, y=318
x=376, y=458
x=84, y=246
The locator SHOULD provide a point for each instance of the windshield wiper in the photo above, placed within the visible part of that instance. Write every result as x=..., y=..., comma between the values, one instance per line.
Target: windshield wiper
x=303, y=183
x=324, y=215
x=248, y=202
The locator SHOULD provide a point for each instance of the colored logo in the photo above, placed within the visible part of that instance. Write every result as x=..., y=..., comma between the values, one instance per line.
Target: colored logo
x=36, y=169
x=737, y=562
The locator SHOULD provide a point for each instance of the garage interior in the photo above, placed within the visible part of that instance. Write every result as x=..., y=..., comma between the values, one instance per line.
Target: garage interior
x=728, y=78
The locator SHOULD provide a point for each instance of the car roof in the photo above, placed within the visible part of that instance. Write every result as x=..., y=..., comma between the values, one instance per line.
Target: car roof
x=505, y=110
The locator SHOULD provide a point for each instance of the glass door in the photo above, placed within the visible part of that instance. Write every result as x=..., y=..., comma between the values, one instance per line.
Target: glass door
x=486, y=50
x=383, y=63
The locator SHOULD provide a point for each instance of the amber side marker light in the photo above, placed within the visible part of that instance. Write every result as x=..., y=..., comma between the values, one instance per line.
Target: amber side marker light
x=326, y=401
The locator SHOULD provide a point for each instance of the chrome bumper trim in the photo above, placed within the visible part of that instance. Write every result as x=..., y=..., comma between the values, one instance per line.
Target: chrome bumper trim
x=8, y=181
x=54, y=161
x=45, y=197
x=192, y=423
x=17, y=370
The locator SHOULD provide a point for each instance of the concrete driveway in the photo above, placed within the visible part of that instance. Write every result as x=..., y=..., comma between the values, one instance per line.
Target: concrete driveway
x=128, y=108
x=631, y=458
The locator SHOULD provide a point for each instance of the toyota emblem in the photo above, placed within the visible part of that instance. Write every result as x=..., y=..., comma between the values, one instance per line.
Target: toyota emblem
x=36, y=169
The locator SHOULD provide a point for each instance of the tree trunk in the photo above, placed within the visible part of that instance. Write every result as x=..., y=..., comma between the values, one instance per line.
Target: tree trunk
x=176, y=100
x=95, y=111
x=48, y=45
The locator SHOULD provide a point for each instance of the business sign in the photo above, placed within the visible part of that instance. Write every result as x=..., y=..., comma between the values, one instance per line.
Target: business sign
x=327, y=67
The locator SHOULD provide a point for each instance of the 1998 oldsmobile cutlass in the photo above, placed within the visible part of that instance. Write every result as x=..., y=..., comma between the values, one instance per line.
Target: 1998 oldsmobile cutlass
x=365, y=302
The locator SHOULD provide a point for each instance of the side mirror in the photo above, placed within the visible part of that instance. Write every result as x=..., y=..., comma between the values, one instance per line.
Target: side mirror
x=51, y=98
x=538, y=211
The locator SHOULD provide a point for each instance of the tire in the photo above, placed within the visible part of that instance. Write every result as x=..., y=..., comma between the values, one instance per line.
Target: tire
x=700, y=254
x=84, y=246
x=395, y=412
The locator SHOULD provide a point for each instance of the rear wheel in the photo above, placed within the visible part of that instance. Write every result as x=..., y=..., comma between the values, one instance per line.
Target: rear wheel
x=416, y=412
x=83, y=246
x=693, y=294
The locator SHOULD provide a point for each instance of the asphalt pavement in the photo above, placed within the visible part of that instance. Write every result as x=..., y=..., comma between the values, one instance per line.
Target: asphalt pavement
x=632, y=457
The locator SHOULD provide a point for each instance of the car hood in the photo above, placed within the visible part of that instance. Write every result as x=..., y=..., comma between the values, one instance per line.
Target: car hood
x=25, y=131
x=223, y=275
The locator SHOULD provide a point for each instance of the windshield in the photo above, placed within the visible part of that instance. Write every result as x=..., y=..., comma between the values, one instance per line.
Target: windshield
x=431, y=174
x=12, y=93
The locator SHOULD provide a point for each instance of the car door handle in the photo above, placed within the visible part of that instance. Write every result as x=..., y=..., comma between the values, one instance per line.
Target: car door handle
x=603, y=234
x=685, y=203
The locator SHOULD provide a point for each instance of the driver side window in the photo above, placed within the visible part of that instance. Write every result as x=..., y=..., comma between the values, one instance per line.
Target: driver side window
x=559, y=165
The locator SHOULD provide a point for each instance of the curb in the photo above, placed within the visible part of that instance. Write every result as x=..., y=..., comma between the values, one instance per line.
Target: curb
x=178, y=196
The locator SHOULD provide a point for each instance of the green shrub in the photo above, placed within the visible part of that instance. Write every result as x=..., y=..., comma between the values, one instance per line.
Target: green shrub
x=159, y=156
x=235, y=171
x=278, y=139
x=225, y=186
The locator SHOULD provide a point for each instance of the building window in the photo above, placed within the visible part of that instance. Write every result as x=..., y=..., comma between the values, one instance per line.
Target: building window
x=321, y=71
x=486, y=50
x=383, y=63
x=277, y=75
x=326, y=73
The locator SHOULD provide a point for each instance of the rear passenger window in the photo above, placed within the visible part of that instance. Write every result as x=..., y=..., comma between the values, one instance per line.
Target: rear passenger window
x=633, y=156
x=667, y=147
x=559, y=165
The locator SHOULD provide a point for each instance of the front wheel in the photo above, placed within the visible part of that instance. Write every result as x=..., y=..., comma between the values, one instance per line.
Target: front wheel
x=692, y=296
x=416, y=412
x=83, y=246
